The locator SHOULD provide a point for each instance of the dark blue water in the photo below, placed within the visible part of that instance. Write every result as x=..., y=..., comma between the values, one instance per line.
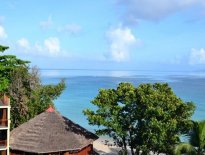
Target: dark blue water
x=82, y=89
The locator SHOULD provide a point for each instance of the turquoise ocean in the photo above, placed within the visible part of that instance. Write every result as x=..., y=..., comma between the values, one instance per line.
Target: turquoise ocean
x=83, y=85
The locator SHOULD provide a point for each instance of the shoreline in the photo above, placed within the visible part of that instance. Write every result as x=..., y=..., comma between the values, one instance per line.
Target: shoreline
x=103, y=149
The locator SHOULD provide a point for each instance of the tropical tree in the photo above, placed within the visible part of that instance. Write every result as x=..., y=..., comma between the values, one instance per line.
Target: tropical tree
x=196, y=137
x=161, y=118
x=146, y=118
x=8, y=63
x=29, y=96
x=112, y=114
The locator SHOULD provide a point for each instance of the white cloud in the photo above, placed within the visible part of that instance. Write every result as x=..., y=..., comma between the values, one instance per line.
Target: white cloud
x=154, y=9
x=72, y=29
x=121, y=41
x=47, y=23
x=3, y=34
x=197, y=56
x=49, y=47
x=24, y=43
x=52, y=45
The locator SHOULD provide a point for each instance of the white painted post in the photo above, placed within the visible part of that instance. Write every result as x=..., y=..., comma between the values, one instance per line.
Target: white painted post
x=8, y=123
x=8, y=131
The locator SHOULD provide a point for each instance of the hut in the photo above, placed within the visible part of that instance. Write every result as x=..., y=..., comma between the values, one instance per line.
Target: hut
x=50, y=133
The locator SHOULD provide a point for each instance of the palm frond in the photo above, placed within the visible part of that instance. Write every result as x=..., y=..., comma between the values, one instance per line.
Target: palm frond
x=197, y=135
x=184, y=148
x=202, y=134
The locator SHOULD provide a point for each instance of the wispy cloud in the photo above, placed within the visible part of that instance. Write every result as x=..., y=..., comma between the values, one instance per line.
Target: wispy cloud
x=52, y=45
x=47, y=23
x=197, y=56
x=24, y=43
x=121, y=40
x=72, y=29
x=153, y=9
x=3, y=34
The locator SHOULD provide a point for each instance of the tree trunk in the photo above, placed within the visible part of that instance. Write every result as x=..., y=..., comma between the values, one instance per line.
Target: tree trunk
x=124, y=143
x=131, y=144
x=137, y=152
x=132, y=151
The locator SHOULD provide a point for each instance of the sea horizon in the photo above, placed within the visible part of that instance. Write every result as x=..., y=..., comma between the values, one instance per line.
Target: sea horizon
x=82, y=87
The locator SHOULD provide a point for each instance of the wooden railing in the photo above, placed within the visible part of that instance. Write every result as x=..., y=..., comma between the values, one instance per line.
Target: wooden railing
x=3, y=143
x=3, y=122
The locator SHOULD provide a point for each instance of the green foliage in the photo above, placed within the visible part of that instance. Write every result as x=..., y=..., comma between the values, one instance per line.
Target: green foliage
x=3, y=48
x=110, y=113
x=28, y=96
x=197, y=135
x=184, y=148
x=147, y=118
x=162, y=117
x=196, y=145
x=8, y=63
x=43, y=96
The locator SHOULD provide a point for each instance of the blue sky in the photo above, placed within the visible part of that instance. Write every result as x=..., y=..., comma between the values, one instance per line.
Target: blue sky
x=106, y=34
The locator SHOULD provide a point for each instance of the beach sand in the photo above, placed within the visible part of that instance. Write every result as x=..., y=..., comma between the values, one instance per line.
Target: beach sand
x=102, y=149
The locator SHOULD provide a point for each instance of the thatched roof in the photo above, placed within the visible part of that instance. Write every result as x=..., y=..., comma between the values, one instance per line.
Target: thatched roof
x=50, y=132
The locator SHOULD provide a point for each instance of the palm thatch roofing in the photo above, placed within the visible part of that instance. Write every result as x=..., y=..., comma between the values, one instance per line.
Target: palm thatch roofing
x=50, y=132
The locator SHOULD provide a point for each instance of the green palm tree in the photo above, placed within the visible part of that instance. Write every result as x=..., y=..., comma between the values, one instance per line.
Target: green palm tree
x=196, y=145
